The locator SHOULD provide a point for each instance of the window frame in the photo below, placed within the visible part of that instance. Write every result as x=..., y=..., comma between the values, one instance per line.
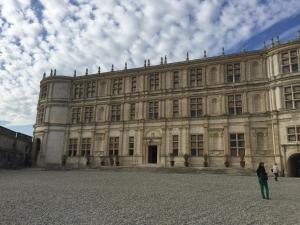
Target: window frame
x=234, y=144
x=113, y=146
x=115, y=112
x=176, y=81
x=91, y=89
x=154, y=82
x=235, y=109
x=132, y=111
x=196, y=145
x=289, y=59
x=44, y=92
x=295, y=133
x=76, y=115
x=88, y=114
x=293, y=102
x=86, y=145
x=131, y=145
x=73, y=147
x=133, y=84
x=40, y=117
x=153, y=107
x=175, y=145
x=78, y=90
x=195, y=77
x=236, y=76
x=117, y=86
x=196, y=107
x=175, y=108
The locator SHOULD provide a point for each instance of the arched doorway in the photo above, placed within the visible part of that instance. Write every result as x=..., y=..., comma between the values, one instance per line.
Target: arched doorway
x=37, y=149
x=294, y=165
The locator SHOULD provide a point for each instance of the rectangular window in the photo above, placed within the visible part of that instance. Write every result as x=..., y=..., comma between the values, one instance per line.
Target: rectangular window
x=44, y=92
x=235, y=104
x=195, y=77
x=196, y=107
x=175, y=79
x=40, y=115
x=85, y=147
x=237, y=145
x=175, y=108
x=292, y=97
x=293, y=133
x=78, y=90
x=132, y=111
x=133, y=84
x=233, y=73
x=117, y=86
x=131, y=146
x=154, y=82
x=76, y=115
x=72, y=147
x=197, y=145
x=89, y=114
x=175, y=145
x=113, y=146
x=289, y=61
x=153, y=110
x=91, y=89
x=115, y=113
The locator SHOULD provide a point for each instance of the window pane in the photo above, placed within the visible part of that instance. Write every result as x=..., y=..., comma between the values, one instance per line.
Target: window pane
x=232, y=137
x=291, y=130
x=289, y=105
x=294, y=67
x=292, y=137
x=240, y=136
x=286, y=69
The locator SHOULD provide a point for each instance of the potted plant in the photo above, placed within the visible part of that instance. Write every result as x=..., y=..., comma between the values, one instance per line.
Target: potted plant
x=242, y=159
x=186, y=159
x=111, y=160
x=102, y=160
x=64, y=159
x=172, y=159
x=227, y=163
x=205, y=163
x=117, y=162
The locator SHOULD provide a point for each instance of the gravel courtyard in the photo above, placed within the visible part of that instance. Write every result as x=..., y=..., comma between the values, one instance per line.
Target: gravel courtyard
x=146, y=197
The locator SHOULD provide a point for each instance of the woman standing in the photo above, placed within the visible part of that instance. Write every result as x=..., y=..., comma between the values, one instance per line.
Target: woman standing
x=263, y=180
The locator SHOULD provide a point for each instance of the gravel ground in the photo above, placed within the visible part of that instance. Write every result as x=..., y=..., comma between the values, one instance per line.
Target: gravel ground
x=132, y=197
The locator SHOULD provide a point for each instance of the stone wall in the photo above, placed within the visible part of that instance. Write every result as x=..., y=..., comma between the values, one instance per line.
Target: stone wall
x=15, y=149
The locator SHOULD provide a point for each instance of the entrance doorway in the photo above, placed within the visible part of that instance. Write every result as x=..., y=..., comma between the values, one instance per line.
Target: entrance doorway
x=294, y=165
x=37, y=149
x=152, y=154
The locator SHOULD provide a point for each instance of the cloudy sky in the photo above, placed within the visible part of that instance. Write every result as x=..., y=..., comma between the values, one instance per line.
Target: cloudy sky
x=37, y=35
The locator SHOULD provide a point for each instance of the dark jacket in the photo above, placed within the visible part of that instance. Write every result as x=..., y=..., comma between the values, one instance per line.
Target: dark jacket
x=261, y=173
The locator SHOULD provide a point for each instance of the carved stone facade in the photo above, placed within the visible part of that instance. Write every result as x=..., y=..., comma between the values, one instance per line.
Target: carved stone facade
x=232, y=107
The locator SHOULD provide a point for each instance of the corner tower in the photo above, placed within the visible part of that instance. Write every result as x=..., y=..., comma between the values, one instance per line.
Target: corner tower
x=52, y=120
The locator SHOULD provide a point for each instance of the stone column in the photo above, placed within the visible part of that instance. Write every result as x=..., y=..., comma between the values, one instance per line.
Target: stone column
x=186, y=146
x=205, y=111
x=206, y=139
x=248, y=150
x=184, y=78
x=245, y=102
x=163, y=150
x=225, y=140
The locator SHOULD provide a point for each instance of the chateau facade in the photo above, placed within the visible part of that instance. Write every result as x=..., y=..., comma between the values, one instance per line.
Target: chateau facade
x=226, y=108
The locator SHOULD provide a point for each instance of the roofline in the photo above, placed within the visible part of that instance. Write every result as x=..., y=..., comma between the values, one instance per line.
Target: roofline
x=182, y=63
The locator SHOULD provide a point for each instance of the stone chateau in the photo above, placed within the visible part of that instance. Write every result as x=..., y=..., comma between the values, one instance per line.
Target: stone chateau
x=240, y=109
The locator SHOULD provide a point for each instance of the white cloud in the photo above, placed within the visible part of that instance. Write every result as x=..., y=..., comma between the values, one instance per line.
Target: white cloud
x=70, y=36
